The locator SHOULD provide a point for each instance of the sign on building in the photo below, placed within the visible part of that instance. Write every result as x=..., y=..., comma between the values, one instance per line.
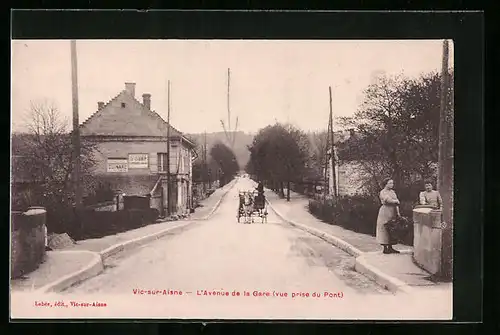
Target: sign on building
x=138, y=161
x=117, y=165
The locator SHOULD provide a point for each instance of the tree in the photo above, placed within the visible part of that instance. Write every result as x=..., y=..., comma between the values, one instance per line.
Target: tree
x=225, y=161
x=397, y=129
x=47, y=150
x=317, y=154
x=279, y=154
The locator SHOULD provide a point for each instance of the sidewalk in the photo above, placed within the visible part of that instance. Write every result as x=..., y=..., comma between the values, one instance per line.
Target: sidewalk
x=297, y=210
x=100, y=244
x=63, y=263
x=56, y=265
x=395, y=271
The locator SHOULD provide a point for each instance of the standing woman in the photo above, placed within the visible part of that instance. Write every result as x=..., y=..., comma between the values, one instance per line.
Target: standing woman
x=388, y=211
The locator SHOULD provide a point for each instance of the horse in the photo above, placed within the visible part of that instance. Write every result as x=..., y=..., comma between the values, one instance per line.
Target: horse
x=248, y=206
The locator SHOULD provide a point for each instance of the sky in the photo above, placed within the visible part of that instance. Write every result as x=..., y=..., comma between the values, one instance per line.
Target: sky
x=271, y=80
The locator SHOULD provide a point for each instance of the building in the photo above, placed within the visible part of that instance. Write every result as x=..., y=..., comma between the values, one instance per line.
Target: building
x=131, y=152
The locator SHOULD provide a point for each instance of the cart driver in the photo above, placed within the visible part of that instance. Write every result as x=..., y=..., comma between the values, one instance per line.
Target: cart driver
x=260, y=188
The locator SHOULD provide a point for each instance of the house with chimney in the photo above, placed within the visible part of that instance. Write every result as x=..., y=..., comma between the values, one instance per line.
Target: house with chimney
x=131, y=152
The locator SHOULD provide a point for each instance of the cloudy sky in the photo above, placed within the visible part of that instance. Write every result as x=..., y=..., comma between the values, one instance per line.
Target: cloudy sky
x=270, y=80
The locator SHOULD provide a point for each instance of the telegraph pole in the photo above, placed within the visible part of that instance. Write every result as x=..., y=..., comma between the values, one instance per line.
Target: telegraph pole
x=332, y=148
x=228, y=103
x=76, y=128
x=205, y=174
x=168, y=149
x=445, y=174
x=445, y=171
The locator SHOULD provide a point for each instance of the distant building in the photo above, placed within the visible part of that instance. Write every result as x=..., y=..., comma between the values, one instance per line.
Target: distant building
x=131, y=151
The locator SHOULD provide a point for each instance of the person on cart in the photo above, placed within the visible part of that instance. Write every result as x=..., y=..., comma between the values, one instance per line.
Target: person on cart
x=259, y=199
x=260, y=188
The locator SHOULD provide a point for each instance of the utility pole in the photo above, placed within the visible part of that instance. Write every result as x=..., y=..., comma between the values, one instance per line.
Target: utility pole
x=168, y=150
x=325, y=176
x=205, y=174
x=332, y=149
x=330, y=174
x=228, y=102
x=445, y=170
x=228, y=132
x=76, y=128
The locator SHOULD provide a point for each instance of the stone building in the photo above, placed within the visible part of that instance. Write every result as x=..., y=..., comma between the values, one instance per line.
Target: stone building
x=131, y=154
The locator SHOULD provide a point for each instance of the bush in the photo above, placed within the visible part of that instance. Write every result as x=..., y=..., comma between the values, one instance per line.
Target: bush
x=357, y=213
x=96, y=224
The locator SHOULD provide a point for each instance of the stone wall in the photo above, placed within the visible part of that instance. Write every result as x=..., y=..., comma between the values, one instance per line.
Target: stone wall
x=432, y=242
x=28, y=239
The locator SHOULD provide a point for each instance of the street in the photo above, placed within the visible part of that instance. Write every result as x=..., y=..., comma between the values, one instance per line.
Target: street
x=224, y=256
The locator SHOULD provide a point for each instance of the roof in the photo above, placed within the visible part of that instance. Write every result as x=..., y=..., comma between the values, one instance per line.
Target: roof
x=134, y=119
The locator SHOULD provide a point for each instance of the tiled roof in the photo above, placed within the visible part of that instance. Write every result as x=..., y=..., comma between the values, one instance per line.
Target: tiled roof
x=132, y=120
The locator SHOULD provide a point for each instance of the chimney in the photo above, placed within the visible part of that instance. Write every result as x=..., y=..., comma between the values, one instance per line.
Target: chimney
x=100, y=105
x=146, y=100
x=130, y=88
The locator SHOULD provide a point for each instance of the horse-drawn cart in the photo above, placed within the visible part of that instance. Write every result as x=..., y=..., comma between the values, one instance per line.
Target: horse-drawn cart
x=251, y=205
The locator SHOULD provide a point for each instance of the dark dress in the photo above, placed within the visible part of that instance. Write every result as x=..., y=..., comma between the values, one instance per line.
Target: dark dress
x=259, y=199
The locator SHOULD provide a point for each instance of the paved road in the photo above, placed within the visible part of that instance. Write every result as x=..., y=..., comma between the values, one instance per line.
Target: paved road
x=223, y=255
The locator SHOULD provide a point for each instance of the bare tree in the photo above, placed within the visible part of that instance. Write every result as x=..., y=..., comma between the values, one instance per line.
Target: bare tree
x=47, y=154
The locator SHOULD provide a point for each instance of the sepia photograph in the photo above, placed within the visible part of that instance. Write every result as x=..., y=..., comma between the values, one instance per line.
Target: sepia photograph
x=232, y=179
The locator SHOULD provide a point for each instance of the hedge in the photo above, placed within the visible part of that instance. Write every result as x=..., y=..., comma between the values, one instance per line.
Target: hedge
x=95, y=224
x=357, y=213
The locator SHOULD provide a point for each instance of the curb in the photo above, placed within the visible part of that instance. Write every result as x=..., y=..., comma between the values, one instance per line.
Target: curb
x=339, y=243
x=94, y=268
x=217, y=204
x=361, y=265
x=137, y=242
x=388, y=282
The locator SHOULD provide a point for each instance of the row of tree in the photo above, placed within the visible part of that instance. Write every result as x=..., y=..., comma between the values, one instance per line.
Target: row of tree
x=221, y=165
x=279, y=155
x=394, y=133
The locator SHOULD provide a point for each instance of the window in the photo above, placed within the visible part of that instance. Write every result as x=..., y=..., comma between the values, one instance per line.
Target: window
x=123, y=105
x=162, y=162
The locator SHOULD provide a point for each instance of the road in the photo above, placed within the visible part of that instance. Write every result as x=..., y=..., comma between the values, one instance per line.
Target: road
x=223, y=255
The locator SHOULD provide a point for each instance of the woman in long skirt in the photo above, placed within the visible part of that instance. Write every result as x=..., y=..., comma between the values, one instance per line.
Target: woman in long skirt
x=388, y=211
